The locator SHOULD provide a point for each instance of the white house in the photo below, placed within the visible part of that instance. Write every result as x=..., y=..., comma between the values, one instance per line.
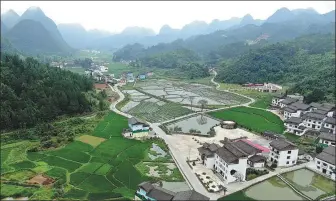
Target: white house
x=287, y=101
x=231, y=162
x=207, y=154
x=294, y=125
x=283, y=153
x=296, y=109
x=277, y=99
x=313, y=120
x=138, y=126
x=327, y=138
x=329, y=125
x=103, y=69
x=257, y=161
x=325, y=162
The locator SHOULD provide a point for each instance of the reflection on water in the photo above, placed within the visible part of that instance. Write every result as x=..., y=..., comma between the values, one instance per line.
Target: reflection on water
x=310, y=183
x=272, y=189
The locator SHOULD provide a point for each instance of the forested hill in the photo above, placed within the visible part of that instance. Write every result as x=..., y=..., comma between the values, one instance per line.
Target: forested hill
x=32, y=92
x=307, y=62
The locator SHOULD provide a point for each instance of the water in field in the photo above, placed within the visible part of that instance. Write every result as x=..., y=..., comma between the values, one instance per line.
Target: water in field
x=272, y=189
x=310, y=183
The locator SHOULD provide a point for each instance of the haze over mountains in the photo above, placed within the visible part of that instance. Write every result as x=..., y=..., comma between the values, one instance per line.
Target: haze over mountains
x=34, y=32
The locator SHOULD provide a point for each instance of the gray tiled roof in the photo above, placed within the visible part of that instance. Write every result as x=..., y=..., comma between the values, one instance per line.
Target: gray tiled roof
x=247, y=148
x=294, y=120
x=326, y=130
x=134, y=121
x=257, y=159
x=319, y=111
x=208, y=149
x=205, y=151
x=327, y=155
x=312, y=115
x=230, y=153
x=330, y=120
x=278, y=95
x=315, y=105
x=290, y=110
x=146, y=186
x=159, y=193
x=190, y=195
x=328, y=136
x=289, y=100
x=301, y=106
x=282, y=145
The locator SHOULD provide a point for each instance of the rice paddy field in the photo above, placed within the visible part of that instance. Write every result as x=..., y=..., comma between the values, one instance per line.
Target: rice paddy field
x=305, y=181
x=253, y=119
x=96, y=166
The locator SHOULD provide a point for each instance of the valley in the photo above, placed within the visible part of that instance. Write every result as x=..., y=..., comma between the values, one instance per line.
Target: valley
x=218, y=110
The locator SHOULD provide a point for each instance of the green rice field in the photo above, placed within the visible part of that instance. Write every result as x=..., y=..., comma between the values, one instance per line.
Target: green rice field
x=106, y=171
x=253, y=119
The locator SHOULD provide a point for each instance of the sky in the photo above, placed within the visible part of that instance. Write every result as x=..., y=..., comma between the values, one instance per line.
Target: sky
x=114, y=16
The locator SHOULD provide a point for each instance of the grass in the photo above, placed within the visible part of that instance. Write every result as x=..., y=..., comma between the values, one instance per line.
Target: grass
x=86, y=170
x=239, y=195
x=15, y=191
x=292, y=137
x=91, y=140
x=78, y=70
x=263, y=100
x=253, y=119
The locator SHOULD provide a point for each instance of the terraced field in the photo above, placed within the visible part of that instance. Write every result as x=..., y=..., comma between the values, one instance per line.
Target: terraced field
x=103, y=170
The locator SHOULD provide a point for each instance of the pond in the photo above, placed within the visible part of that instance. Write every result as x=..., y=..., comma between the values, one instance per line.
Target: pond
x=310, y=183
x=272, y=189
x=196, y=123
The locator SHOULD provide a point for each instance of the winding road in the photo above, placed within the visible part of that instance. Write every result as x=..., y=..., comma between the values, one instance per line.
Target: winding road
x=187, y=172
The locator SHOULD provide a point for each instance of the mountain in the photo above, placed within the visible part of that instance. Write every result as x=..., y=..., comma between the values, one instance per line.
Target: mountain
x=36, y=14
x=304, y=10
x=167, y=30
x=10, y=18
x=281, y=15
x=193, y=28
x=247, y=19
x=7, y=47
x=74, y=34
x=32, y=37
x=3, y=28
x=308, y=62
x=330, y=16
x=137, y=31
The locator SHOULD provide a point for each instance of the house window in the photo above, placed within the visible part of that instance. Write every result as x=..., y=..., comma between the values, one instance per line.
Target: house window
x=318, y=162
x=289, y=152
x=324, y=164
x=287, y=162
x=314, y=122
x=333, y=143
x=293, y=162
x=308, y=124
x=226, y=165
x=288, y=157
x=318, y=167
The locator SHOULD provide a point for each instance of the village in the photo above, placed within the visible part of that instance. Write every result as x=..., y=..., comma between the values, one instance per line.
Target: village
x=219, y=157
x=232, y=158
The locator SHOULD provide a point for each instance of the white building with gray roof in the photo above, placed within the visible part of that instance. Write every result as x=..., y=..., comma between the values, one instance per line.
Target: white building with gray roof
x=283, y=153
x=327, y=139
x=325, y=162
x=294, y=125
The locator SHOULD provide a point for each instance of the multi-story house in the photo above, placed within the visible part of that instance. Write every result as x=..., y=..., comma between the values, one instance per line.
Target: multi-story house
x=283, y=153
x=313, y=120
x=296, y=109
x=277, y=98
x=207, y=154
x=284, y=103
x=294, y=125
x=153, y=192
x=232, y=160
x=329, y=125
x=327, y=139
x=325, y=162
x=325, y=108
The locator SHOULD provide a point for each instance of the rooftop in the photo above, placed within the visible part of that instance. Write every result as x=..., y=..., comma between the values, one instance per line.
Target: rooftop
x=190, y=195
x=328, y=136
x=327, y=155
x=312, y=115
x=330, y=120
x=290, y=110
x=301, y=106
x=282, y=145
x=230, y=153
x=257, y=159
x=289, y=100
x=294, y=120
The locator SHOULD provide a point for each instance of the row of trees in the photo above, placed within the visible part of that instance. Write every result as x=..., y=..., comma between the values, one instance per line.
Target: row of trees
x=32, y=92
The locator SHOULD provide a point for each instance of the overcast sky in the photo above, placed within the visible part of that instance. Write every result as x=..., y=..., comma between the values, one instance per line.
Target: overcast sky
x=114, y=16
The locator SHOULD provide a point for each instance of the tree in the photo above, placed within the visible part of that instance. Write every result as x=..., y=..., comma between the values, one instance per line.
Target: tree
x=191, y=99
x=203, y=104
x=319, y=149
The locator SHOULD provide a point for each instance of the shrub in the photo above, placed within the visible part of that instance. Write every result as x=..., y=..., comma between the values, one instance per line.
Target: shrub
x=193, y=163
x=274, y=165
x=203, y=173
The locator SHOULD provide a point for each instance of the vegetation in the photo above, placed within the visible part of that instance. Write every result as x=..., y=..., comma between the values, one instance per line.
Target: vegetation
x=307, y=62
x=33, y=93
x=254, y=173
x=239, y=195
x=81, y=171
x=255, y=120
